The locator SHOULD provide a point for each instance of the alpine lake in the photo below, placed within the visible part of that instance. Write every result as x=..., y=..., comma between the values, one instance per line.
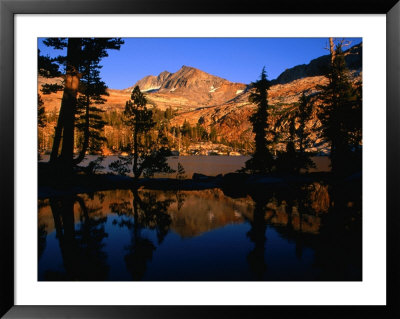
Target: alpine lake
x=300, y=232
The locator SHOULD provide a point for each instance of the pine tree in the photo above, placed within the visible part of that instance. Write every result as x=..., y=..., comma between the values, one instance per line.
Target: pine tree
x=340, y=116
x=305, y=109
x=147, y=157
x=90, y=121
x=180, y=175
x=262, y=160
x=92, y=91
x=41, y=123
x=213, y=134
x=139, y=118
x=41, y=112
x=291, y=124
x=186, y=129
x=71, y=69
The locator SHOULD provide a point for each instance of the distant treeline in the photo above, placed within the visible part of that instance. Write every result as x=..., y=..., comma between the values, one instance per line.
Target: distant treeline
x=118, y=135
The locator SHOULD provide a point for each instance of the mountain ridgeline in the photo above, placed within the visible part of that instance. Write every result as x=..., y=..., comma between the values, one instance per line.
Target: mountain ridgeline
x=203, y=107
x=319, y=66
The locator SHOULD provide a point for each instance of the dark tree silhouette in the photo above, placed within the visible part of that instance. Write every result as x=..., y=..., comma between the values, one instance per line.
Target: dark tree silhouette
x=66, y=119
x=81, y=244
x=148, y=212
x=341, y=115
x=140, y=119
x=80, y=53
x=262, y=160
x=147, y=157
x=41, y=121
x=89, y=120
x=257, y=234
x=42, y=234
x=180, y=174
x=305, y=108
x=92, y=92
x=292, y=122
x=41, y=112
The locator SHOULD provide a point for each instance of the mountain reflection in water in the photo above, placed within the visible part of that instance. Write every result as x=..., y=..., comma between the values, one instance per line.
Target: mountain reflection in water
x=309, y=232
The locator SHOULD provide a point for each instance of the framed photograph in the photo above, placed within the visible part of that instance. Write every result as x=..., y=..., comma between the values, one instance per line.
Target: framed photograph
x=166, y=159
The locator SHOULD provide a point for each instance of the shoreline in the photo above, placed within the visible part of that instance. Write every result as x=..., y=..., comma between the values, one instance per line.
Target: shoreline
x=237, y=184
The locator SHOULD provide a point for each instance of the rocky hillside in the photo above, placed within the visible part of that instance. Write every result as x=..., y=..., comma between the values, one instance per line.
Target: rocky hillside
x=230, y=119
x=319, y=66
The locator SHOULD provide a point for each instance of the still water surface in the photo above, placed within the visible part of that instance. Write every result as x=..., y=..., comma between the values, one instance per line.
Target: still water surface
x=124, y=235
x=207, y=165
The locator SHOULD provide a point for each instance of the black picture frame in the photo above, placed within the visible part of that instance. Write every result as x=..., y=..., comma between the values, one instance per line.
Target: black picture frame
x=9, y=8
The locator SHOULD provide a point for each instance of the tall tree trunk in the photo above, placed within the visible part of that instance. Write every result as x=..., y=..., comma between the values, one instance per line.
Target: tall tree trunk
x=332, y=50
x=68, y=103
x=57, y=137
x=86, y=132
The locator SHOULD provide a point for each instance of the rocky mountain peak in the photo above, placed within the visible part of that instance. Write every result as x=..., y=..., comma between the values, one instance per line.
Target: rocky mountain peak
x=192, y=84
x=163, y=76
x=189, y=77
x=185, y=67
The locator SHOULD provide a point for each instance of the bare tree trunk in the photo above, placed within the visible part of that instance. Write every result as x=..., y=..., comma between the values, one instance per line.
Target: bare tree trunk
x=68, y=103
x=332, y=50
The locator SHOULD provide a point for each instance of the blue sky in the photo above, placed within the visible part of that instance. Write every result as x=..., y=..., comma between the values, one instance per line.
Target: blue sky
x=235, y=59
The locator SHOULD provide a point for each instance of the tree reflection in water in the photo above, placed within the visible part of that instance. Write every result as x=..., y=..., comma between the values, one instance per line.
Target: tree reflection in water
x=81, y=244
x=180, y=199
x=257, y=235
x=324, y=218
x=297, y=232
x=42, y=233
x=303, y=205
x=339, y=250
x=148, y=212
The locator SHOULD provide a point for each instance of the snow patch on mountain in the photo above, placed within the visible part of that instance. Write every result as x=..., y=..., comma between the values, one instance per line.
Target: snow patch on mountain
x=213, y=89
x=153, y=88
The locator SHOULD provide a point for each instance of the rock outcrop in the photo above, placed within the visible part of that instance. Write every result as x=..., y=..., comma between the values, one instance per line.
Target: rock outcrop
x=151, y=83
